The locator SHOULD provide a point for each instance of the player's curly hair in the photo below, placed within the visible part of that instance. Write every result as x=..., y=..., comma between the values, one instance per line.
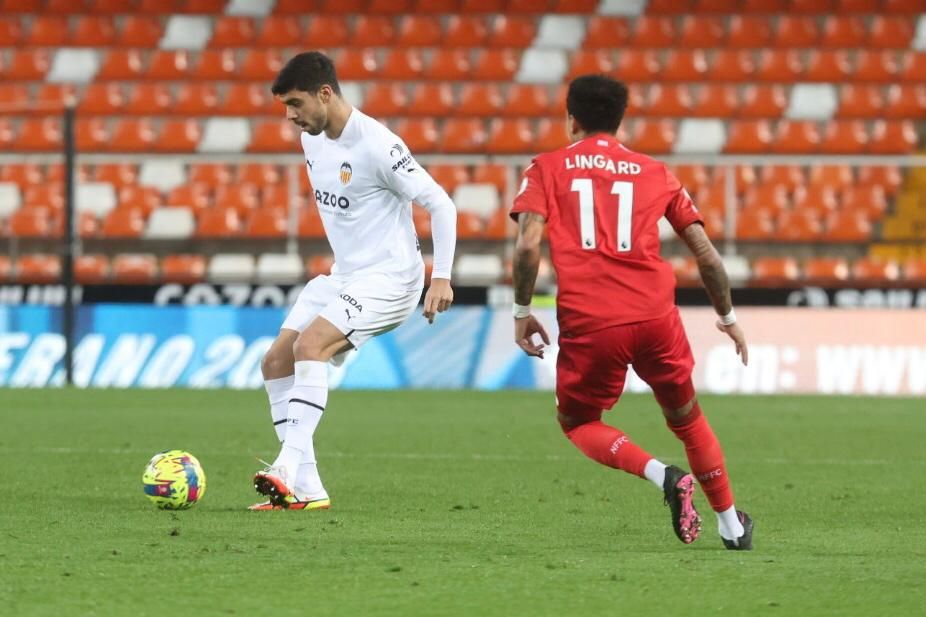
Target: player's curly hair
x=308, y=72
x=597, y=102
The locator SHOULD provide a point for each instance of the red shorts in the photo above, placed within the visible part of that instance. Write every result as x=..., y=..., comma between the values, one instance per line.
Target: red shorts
x=591, y=368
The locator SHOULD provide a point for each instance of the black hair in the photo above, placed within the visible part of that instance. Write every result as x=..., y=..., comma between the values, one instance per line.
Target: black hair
x=308, y=72
x=597, y=102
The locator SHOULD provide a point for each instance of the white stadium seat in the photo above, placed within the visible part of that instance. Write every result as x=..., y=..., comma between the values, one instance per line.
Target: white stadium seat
x=737, y=268
x=225, y=135
x=249, y=8
x=10, y=199
x=280, y=268
x=560, y=32
x=812, y=102
x=171, y=223
x=186, y=32
x=700, y=135
x=478, y=269
x=98, y=198
x=480, y=199
x=542, y=66
x=162, y=174
x=73, y=66
x=231, y=268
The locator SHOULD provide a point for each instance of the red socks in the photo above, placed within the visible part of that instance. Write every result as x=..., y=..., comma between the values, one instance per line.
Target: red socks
x=609, y=446
x=705, y=458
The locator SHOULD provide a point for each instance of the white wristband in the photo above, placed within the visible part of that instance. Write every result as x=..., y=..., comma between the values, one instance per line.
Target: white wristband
x=729, y=319
x=520, y=311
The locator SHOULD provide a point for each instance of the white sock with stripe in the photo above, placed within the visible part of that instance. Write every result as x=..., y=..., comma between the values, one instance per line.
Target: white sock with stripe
x=278, y=393
x=307, y=400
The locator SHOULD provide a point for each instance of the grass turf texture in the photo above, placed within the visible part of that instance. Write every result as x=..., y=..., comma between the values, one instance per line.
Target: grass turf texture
x=454, y=504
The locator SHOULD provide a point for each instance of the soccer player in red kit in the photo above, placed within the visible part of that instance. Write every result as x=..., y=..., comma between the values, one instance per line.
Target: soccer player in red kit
x=616, y=300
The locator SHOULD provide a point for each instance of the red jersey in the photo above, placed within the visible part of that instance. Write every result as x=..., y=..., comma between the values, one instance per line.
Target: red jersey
x=602, y=203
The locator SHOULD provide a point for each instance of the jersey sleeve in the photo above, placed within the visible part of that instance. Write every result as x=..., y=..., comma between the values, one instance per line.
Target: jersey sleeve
x=532, y=194
x=680, y=210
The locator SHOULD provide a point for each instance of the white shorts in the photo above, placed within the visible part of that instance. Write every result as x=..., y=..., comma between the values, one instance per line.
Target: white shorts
x=360, y=307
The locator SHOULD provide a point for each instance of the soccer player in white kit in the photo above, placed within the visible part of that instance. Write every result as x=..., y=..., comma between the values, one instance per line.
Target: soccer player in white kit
x=365, y=180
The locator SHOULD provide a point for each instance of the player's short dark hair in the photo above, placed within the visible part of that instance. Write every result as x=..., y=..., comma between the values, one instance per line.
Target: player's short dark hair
x=308, y=72
x=597, y=102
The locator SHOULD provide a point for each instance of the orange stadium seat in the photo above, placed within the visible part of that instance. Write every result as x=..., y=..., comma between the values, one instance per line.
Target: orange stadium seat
x=481, y=99
x=653, y=137
x=91, y=134
x=526, y=100
x=817, y=198
x=871, y=270
x=242, y=198
x=219, y=222
x=496, y=65
x=731, y=65
x=23, y=175
x=606, y=32
x=749, y=31
x=21, y=6
x=692, y=177
x=275, y=196
x=93, y=31
x=10, y=32
x=699, y=31
x=798, y=226
x=38, y=269
x=500, y=226
x=768, y=198
x=748, y=137
x=585, y=61
x=169, y=65
x=838, y=176
x=405, y=64
x=754, y=226
x=915, y=270
x=117, y=174
x=512, y=32
x=141, y=198
x=233, y=31
x=469, y=226
x=432, y=99
x=669, y=100
x=261, y=65
x=716, y=101
x=386, y=99
x=793, y=31
x=91, y=269
x=449, y=175
x=550, y=136
x=492, y=173
x=246, y=100
x=183, y=269
x=102, y=99
x=844, y=137
x=713, y=224
x=121, y=64
x=196, y=99
x=904, y=7
x=847, y=227
x=653, y=31
x=913, y=67
x=763, y=101
x=892, y=137
x=686, y=271
x=373, y=31
x=860, y=101
x=782, y=66
x=278, y=31
x=267, y=223
x=259, y=174
x=14, y=97
x=422, y=221
x=482, y=6
x=419, y=134
x=449, y=64
x=796, y=137
x=133, y=136
x=26, y=65
x=466, y=31
x=419, y=31
x=54, y=95
x=123, y=223
x=789, y=176
x=868, y=199
x=196, y=196
x=150, y=99
x=216, y=65
x=318, y=265
x=139, y=31
x=49, y=194
x=637, y=65
x=310, y=223
x=775, y=271
x=48, y=31
x=39, y=134
x=905, y=101
x=844, y=32
x=889, y=32
x=273, y=136
x=875, y=66
x=744, y=176
x=828, y=65
x=685, y=65
x=357, y=65
x=131, y=269
x=463, y=136
x=29, y=222
x=509, y=136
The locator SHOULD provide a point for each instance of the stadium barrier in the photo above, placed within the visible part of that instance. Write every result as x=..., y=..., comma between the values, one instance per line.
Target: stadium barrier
x=792, y=350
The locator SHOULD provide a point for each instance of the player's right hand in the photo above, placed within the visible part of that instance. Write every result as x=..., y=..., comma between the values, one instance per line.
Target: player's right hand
x=524, y=331
x=739, y=339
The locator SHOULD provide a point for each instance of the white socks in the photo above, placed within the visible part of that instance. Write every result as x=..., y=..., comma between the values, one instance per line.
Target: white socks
x=307, y=399
x=655, y=472
x=729, y=525
x=278, y=393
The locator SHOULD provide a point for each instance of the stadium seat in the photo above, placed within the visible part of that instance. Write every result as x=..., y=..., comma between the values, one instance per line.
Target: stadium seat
x=860, y=101
x=234, y=31
x=419, y=31
x=653, y=31
x=140, y=31
x=748, y=137
x=141, y=198
x=23, y=175
x=868, y=199
x=247, y=100
x=6, y=269
x=754, y=225
x=171, y=223
x=763, y=101
x=267, y=223
x=357, y=65
x=500, y=226
x=91, y=135
x=263, y=65
x=686, y=271
x=652, y=136
x=731, y=65
x=419, y=134
x=843, y=31
x=10, y=32
x=49, y=194
x=875, y=66
x=872, y=271
x=511, y=32
x=10, y=200
x=590, y=61
x=183, y=269
x=850, y=226
x=386, y=99
x=669, y=100
x=373, y=31
x=905, y=101
x=828, y=66
x=121, y=64
x=892, y=137
x=219, y=222
x=403, y=64
x=820, y=199
x=449, y=64
x=123, y=222
x=259, y=174
x=169, y=65
x=196, y=99
x=26, y=65
x=275, y=196
x=914, y=270
x=903, y=7
x=231, y=268
x=216, y=65
x=798, y=226
x=780, y=66
x=431, y=99
x=317, y=265
x=796, y=137
x=279, y=268
x=684, y=65
x=103, y=99
x=481, y=99
x=135, y=269
x=93, y=31
x=48, y=31
x=274, y=136
x=483, y=6
x=523, y=100
x=844, y=137
x=492, y=173
x=749, y=31
x=178, y=136
x=196, y=196
x=838, y=176
x=775, y=271
x=240, y=197
x=479, y=199
x=767, y=198
x=475, y=269
x=550, y=136
x=637, y=66
x=37, y=269
x=465, y=31
x=278, y=31
x=715, y=101
x=39, y=135
x=795, y=32
x=163, y=173
x=33, y=222
x=449, y=175
x=702, y=32
x=889, y=32
x=91, y=269
x=606, y=32
x=496, y=65
x=463, y=135
x=310, y=223
x=150, y=99
x=692, y=177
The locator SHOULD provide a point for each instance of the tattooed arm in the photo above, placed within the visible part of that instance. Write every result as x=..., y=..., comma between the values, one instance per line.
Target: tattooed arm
x=526, y=264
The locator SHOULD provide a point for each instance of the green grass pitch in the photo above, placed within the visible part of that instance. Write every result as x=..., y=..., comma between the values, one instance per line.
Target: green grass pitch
x=455, y=503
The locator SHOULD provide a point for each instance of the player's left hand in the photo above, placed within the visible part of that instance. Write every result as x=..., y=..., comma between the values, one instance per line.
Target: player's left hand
x=438, y=299
x=524, y=331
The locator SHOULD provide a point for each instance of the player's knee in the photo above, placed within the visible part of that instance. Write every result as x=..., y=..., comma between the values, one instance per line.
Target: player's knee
x=277, y=362
x=677, y=415
x=676, y=399
x=572, y=414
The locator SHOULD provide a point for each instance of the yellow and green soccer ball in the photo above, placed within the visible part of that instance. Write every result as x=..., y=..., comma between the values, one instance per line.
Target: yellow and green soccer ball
x=174, y=480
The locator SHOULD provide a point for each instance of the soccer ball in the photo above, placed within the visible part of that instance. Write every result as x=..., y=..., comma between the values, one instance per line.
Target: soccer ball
x=174, y=480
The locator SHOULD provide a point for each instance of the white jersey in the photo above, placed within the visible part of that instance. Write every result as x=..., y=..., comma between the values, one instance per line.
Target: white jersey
x=364, y=182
